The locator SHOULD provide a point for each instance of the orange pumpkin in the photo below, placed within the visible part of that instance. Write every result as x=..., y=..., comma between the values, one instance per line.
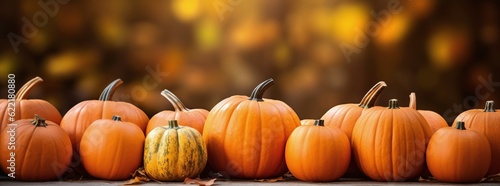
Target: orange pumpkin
x=389, y=143
x=317, y=152
x=42, y=150
x=78, y=118
x=111, y=149
x=246, y=136
x=344, y=116
x=434, y=120
x=307, y=122
x=25, y=108
x=194, y=118
x=458, y=155
x=487, y=122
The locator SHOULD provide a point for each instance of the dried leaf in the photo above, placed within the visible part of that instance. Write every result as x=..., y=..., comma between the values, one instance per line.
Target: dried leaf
x=429, y=179
x=199, y=181
x=271, y=179
x=139, y=176
x=491, y=178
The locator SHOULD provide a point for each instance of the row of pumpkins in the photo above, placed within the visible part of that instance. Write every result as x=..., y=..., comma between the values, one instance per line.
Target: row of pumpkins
x=249, y=138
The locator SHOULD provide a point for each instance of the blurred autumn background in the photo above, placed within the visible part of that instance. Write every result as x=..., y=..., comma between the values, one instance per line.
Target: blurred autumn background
x=205, y=51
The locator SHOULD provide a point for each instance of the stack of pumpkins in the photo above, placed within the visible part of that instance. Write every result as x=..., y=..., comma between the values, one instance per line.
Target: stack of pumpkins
x=249, y=138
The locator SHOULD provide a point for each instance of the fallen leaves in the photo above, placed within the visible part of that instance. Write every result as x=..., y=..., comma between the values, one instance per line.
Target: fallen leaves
x=271, y=179
x=199, y=181
x=491, y=178
x=139, y=176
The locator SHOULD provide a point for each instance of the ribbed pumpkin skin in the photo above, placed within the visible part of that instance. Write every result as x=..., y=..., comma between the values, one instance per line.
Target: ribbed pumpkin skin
x=246, y=137
x=459, y=156
x=112, y=150
x=434, y=120
x=487, y=123
x=173, y=153
x=389, y=144
x=42, y=153
x=318, y=153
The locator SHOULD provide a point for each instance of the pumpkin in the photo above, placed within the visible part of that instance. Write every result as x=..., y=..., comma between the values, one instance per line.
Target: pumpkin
x=389, y=143
x=307, y=122
x=26, y=108
x=487, y=122
x=42, y=150
x=434, y=120
x=189, y=117
x=344, y=116
x=111, y=149
x=173, y=153
x=458, y=155
x=80, y=116
x=246, y=136
x=317, y=152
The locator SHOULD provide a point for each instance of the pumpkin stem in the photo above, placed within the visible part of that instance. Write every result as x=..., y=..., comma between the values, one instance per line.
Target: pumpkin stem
x=413, y=101
x=116, y=118
x=319, y=122
x=108, y=92
x=489, y=107
x=393, y=104
x=25, y=90
x=258, y=92
x=173, y=124
x=372, y=95
x=38, y=121
x=460, y=125
x=174, y=100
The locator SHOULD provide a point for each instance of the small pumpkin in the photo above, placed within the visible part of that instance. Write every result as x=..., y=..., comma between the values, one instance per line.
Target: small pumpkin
x=246, y=136
x=112, y=149
x=189, y=117
x=455, y=154
x=434, y=120
x=389, y=143
x=487, y=122
x=307, y=122
x=42, y=149
x=25, y=108
x=173, y=152
x=80, y=116
x=317, y=152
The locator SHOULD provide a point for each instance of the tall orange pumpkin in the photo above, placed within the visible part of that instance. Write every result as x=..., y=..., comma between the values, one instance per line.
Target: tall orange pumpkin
x=78, y=118
x=42, y=150
x=458, y=155
x=487, y=122
x=434, y=120
x=317, y=152
x=112, y=149
x=246, y=136
x=25, y=108
x=194, y=118
x=389, y=143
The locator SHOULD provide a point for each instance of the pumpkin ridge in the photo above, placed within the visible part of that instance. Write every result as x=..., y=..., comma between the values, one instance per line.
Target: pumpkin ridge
x=283, y=127
x=27, y=153
x=116, y=166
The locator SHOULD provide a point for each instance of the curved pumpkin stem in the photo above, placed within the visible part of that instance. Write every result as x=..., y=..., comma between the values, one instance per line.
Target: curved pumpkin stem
x=490, y=106
x=108, y=92
x=258, y=92
x=460, y=125
x=372, y=95
x=319, y=122
x=393, y=104
x=174, y=100
x=38, y=121
x=173, y=124
x=25, y=90
x=413, y=101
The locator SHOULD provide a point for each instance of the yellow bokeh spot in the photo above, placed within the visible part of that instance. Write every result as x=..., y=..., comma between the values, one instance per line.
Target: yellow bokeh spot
x=345, y=19
x=186, y=10
x=395, y=29
x=208, y=34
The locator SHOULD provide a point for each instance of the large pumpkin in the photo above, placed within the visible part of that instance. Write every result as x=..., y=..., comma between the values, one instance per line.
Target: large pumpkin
x=25, y=108
x=188, y=117
x=42, y=150
x=173, y=153
x=487, y=122
x=344, y=116
x=389, y=143
x=112, y=149
x=246, y=136
x=78, y=118
x=317, y=152
x=434, y=120
x=458, y=155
